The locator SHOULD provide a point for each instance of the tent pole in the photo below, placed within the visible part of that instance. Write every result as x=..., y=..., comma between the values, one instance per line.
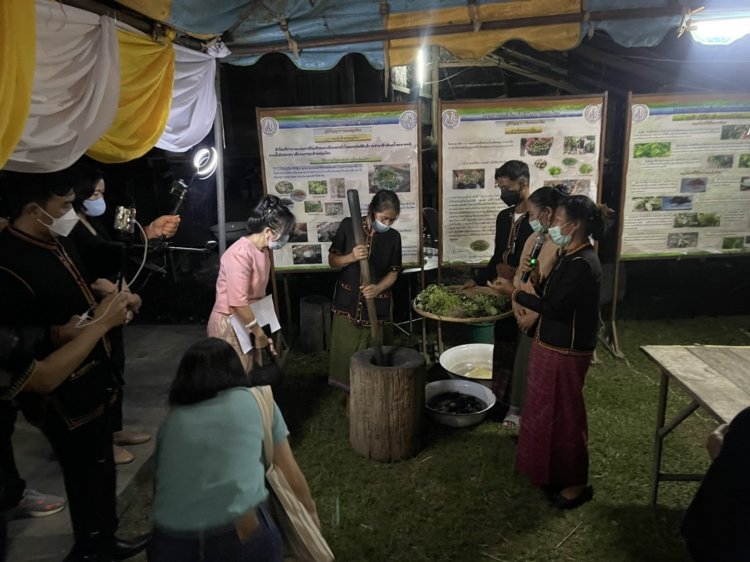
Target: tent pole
x=219, y=141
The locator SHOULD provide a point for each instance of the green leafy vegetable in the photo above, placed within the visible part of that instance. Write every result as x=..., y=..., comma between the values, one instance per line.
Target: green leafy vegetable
x=443, y=301
x=555, y=171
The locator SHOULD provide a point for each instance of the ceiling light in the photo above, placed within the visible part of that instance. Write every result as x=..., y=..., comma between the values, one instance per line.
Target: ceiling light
x=718, y=30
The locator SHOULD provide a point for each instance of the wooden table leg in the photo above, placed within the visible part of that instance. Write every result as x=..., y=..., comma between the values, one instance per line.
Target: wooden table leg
x=659, y=436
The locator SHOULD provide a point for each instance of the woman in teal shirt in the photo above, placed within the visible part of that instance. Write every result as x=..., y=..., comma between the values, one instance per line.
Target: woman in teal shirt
x=210, y=494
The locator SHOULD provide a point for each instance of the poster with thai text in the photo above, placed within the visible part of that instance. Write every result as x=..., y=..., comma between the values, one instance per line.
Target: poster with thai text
x=560, y=139
x=312, y=156
x=687, y=184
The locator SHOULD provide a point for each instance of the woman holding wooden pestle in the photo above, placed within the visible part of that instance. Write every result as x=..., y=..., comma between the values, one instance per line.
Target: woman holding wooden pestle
x=350, y=330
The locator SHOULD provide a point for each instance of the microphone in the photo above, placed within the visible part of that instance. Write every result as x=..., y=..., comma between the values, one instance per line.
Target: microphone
x=534, y=258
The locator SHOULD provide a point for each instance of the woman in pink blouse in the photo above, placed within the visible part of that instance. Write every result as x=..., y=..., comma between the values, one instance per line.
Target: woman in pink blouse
x=243, y=275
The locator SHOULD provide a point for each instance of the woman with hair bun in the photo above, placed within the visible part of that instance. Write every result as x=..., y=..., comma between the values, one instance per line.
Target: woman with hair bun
x=244, y=271
x=553, y=443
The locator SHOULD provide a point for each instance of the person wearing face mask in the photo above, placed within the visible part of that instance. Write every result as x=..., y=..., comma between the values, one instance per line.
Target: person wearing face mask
x=243, y=275
x=103, y=260
x=350, y=329
x=553, y=444
x=511, y=232
x=21, y=372
x=541, y=206
x=42, y=284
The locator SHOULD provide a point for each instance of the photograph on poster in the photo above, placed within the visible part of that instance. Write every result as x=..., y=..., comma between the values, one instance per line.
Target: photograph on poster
x=327, y=230
x=732, y=243
x=652, y=150
x=468, y=179
x=686, y=240
x=693, y=185
x=700, y=220
x=335, y=209
x=744, y=161
x=647, y=203
x=735, y=132
x=677, y=203
x=317, y=187
x=284, y=187
x=720, y=160
x=579, y=145
x=480, y=245
x=391, y=177
x=307, y=254
x=299, y=234
x=536, y=146
x=745, y=183
x=313, y=207
x=298, y=195
x=338, y=187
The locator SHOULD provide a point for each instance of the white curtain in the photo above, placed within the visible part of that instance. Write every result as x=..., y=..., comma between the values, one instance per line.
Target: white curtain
x=194, y=101
x=76, y=88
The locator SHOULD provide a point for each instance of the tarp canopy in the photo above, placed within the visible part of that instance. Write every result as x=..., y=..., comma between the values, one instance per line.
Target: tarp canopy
x=315, y=34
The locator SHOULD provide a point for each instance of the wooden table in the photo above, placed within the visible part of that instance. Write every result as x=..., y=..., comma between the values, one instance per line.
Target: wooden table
x=715, y=377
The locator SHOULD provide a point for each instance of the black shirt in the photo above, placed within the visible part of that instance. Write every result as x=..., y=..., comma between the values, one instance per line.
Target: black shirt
x=569, y=302
x=42, y=285
x=717, y=523
x=510, y=237
x=384, y=255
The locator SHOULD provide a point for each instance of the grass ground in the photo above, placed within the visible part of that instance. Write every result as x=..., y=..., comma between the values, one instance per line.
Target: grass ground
x=460, y=500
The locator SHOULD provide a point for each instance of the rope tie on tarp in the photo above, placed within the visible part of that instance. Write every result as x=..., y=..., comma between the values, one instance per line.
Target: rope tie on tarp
x=293, y=46
x=586, y=20
x=476, y=21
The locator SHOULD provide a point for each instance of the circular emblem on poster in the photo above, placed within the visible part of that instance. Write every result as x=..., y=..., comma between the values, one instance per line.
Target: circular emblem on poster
x=639, y=112
x=592, y=113
x=269, y=126
x=408, y=120
x=451, y=118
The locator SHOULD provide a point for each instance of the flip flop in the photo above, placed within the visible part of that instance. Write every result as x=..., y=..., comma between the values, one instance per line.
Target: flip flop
x=511, y=421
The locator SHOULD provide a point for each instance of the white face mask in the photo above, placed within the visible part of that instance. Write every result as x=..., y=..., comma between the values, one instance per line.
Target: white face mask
x=380, y=227
x=63, y=225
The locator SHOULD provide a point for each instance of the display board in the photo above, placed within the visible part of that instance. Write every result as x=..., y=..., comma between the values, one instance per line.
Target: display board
x=559, y=138
x=687, y=179
x=312, y=155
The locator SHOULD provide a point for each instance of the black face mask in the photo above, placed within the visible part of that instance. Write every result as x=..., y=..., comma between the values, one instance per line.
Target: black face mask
x=510, y=197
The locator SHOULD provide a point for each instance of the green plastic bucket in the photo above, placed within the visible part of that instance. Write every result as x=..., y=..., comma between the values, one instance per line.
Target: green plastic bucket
x=481, y=333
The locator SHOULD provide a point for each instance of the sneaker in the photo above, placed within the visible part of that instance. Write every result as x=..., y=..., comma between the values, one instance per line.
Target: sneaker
x=36, y=504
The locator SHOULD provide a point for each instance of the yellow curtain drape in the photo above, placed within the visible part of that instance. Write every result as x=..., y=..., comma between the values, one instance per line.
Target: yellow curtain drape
x=17, y=64
x=146, y=82
x=558, y=37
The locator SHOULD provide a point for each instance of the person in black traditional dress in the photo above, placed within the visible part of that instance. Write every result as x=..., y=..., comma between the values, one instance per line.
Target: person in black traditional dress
x=511, y=231
x=553, y=443
x=350, y=329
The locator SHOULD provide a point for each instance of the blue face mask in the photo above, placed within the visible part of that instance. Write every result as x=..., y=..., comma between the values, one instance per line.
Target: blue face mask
x=95, y=208
x=555, y=232
x=380, y=227
x=278, y=244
